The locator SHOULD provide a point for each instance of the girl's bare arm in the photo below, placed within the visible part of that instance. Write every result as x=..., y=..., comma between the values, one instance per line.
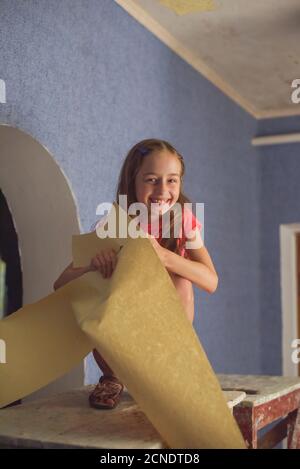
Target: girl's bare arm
x=199, y=268
x=104, y=261
x=70, y=273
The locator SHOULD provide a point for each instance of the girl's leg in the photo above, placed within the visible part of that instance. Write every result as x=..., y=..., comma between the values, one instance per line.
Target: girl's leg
x=107, y=392
x=185, y=291
x=106, y=370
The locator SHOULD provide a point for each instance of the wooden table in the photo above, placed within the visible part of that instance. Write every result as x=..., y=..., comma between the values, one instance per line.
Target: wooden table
x=268, y=398
x=66, y=421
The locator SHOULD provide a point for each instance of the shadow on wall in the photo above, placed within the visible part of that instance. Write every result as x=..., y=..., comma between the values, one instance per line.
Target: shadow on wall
x=9, y=253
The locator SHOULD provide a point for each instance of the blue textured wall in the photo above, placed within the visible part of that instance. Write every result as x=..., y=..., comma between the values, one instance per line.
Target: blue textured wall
x=280, y=204
x=88, y=81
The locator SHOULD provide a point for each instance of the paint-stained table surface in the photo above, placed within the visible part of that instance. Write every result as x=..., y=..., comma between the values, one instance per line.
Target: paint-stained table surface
x=259, y=389
x=66, y=421
x=268, y=399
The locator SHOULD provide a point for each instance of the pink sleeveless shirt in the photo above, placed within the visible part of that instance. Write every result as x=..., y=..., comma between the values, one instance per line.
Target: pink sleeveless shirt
x=189, y=221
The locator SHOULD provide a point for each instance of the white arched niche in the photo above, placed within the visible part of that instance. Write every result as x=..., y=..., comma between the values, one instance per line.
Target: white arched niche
x=44, y=212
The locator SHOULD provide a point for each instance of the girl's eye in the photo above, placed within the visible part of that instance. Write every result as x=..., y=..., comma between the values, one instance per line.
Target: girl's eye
x=154, y=180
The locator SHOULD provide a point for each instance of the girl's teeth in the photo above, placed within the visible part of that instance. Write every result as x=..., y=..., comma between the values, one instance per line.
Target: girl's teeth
x=159, y=201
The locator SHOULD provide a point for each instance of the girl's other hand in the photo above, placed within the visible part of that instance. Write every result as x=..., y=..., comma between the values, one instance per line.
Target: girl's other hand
x=105, y=262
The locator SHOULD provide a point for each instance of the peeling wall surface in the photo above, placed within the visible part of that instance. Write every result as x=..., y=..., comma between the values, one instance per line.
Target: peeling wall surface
x=88, y=81
x=182, y=7
x=249, y=50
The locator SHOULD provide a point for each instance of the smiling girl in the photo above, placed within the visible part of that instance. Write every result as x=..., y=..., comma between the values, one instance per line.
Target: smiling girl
x=152, y=174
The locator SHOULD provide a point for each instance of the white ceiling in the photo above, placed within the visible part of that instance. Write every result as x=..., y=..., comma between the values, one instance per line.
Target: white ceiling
x=248, y=49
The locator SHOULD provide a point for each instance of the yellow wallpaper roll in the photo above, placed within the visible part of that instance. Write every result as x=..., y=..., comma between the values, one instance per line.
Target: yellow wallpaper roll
x=43, y=342
x=141, y=330
x=137, y=322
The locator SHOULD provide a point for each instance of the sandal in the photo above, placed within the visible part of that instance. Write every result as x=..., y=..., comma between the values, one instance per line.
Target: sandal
x=107, y=393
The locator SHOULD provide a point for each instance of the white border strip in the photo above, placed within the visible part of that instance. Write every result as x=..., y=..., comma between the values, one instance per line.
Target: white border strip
x=289, y=306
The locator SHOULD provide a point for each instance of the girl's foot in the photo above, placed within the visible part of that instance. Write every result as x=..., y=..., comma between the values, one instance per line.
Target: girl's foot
x=107, y=393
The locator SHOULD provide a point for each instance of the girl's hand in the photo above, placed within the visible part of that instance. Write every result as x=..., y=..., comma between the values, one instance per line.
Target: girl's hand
x=160, y=251
x=105, y=262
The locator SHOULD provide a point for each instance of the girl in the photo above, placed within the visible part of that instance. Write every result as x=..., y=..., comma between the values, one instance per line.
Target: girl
x=152, y=173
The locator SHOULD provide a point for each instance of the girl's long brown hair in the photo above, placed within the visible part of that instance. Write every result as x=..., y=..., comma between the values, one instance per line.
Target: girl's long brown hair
x=126, y=184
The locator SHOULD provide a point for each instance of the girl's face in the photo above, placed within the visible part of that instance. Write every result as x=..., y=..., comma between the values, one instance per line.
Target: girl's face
x=158, y=180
